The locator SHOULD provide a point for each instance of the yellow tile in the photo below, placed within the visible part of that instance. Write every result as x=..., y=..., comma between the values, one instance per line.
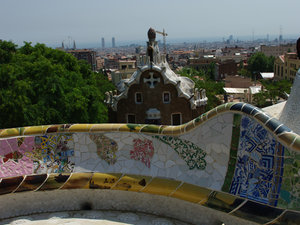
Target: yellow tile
x=226, y=198
x=54, y=181
x=161, y=186
x=191, y=193
x=33, y=130
x=177, y=130
x=78, y=180
x=131, y=127
x=32, y=182
x=221, y=108
x=287, y=138
x=79, y=128
x=168, y=130
x=189, y=126
x=45, y=128
x=125, y=128
x=104, y=180
x=10, y=132
x=8, y=185
x=102, y=127
x=296, y=144
x=132, y=183
x=211, y=113
x=151, y=129
x=182, y=128
x=115, y=127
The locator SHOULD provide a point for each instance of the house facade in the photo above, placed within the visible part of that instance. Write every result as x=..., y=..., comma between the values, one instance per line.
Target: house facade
x=154, y=94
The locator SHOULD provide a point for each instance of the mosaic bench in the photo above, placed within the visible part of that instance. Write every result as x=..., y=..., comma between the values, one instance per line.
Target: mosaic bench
x=234, y=159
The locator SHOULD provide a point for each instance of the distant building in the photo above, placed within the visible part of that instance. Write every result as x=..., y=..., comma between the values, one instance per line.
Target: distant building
x=221, y=68
x=113, y=42
x=204, y=63
x=286, y=66
x=102, y=42
x=99, y=63
x=239, y=88
x=125, y=69
x=238, y=82
x=277, y=50
x=111, y=62
x=87, y=55
x=227, y=68
x=154, y=94
x=241, y=94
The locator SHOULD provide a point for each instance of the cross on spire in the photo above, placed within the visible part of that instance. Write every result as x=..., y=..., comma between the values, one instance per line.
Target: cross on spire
x=151, y=81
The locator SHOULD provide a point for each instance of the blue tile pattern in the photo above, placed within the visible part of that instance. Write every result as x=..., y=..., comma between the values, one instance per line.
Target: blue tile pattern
x=259, y=164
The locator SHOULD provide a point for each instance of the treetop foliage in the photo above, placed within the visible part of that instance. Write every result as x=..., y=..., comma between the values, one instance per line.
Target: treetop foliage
x=204, y=80
x=273, y=91
x=40, y=85
x=259, y=62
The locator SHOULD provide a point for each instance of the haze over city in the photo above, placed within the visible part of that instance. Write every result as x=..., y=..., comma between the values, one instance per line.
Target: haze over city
x=51, y=22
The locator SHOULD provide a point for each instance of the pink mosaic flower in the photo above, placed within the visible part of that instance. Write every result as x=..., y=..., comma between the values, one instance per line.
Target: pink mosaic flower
x=13, y=161
x=143, y=151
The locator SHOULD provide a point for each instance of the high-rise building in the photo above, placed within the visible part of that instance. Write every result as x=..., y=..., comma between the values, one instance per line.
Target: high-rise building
x=74, y=45
x=102, y=42
x=113, y=42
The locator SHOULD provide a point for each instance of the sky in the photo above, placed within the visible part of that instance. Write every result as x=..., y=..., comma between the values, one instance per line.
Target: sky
x=86, y=21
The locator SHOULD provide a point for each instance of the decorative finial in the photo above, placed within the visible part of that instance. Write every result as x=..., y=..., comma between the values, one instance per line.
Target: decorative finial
x=151, y=34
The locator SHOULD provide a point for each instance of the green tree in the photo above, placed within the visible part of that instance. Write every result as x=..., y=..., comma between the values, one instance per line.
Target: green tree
x=40, y=85
x=277, y=89
x=259, y=99
x=259, y=62
x=244, y=72
x=204, y=81
x=273, y=91
x=7, y=49
x=211, y=71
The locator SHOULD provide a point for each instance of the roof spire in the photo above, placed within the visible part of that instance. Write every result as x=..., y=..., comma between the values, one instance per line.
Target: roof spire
x=151, y=34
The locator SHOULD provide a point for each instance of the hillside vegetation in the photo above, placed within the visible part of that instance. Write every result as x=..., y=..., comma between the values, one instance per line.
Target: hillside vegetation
x=41, y=85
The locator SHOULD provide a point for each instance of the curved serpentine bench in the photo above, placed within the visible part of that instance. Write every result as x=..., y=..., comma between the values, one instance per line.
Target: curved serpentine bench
x=233, y=160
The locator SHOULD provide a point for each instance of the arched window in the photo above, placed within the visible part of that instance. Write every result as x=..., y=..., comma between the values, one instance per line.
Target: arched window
x=138, y=98
x=166, y=97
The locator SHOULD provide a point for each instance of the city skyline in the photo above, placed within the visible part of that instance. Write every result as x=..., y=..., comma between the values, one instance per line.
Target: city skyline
x=52, y=22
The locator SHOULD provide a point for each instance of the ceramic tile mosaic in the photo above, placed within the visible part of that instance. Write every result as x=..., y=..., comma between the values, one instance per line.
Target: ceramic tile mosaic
x=235, y=138
x=259, y=161
x=290, y=188
x=235, y=148
x=40, y=154
x=32, y=182
x=142, y=150
x=17, y=156
x=188, y=151
x=55, y=151
x=106, y=148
